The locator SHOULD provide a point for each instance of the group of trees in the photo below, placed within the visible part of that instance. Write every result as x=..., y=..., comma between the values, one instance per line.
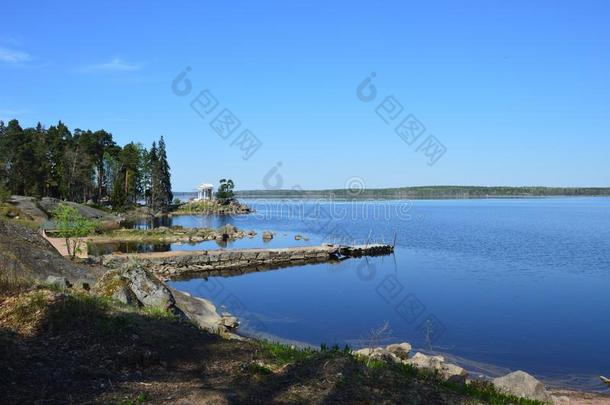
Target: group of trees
x=82, y=165
x=225, y=192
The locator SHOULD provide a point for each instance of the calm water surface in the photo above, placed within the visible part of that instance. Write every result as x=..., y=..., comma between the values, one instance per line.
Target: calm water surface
x=513, y=283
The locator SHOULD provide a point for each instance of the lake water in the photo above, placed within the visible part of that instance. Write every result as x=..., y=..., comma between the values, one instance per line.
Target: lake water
x=497, y=285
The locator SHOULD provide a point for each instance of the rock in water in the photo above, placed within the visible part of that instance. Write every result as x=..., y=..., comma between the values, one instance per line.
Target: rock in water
x=267, y=236
x=521, y=384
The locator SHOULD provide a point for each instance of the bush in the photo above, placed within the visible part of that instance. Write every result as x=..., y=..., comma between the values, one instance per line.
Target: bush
x=5, y=195
x=72, y=226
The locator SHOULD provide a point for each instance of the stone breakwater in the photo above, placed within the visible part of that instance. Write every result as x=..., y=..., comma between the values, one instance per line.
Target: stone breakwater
x=175, y=264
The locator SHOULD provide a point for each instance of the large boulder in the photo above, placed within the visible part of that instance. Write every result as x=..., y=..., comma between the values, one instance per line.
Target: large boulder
x=401, y=350
x=420, y=360
x=378, y=353
x=521, y=384
x=24, y=252
x=148, y=289
x=447, y=371
x=134, y=285
x=203, y=313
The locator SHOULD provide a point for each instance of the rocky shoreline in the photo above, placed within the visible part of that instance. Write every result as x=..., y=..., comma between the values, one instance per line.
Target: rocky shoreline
x=130, y=285
x=174, y=234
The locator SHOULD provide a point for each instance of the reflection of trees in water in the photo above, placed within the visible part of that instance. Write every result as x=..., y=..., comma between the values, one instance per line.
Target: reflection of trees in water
x=99, y=249
x=148, y=222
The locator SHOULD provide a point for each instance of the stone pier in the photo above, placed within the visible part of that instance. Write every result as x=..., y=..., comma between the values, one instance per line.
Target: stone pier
x=209, y=262
x=183, y=264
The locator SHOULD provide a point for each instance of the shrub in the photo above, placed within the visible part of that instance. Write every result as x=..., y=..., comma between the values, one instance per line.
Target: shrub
x=72, y=226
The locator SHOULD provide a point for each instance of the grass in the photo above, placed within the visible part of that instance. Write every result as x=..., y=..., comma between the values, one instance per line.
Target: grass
x=139, y=399
x=480, y=390
x=28, y=308
x=283, y=354
x=10, y=282
x=8, y=212
x=157, y=312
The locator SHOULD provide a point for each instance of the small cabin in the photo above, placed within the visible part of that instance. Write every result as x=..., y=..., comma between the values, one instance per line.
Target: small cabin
x=204, y=192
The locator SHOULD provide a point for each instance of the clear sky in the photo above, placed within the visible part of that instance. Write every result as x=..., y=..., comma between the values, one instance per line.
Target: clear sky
x=518, y=92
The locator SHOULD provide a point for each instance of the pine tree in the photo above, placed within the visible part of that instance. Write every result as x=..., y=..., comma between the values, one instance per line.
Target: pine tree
x=165, y=183
x=153, y=167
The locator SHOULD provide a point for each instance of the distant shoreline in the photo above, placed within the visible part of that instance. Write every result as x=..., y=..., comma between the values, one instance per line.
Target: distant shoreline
x=426, y=193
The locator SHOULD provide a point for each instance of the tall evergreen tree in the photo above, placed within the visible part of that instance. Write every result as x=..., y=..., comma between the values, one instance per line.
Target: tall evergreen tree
x=165, y=182
x=153, y=167
x=82, y=165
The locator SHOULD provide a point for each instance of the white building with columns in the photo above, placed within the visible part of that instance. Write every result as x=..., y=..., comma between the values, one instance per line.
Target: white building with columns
x=205, y=191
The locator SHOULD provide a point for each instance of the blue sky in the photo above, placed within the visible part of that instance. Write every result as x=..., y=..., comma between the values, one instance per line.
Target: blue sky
x=518, y=93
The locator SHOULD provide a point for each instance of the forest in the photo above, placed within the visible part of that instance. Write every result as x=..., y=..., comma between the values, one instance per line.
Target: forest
x=82, y=166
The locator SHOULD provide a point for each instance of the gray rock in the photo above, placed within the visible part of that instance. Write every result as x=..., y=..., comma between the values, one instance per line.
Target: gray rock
x=521, y=384
x=446, y=371
x=200, y=311
x=420, y=360
x=60, y=282
x=453, y=373
x=298, y=237
x=378, y=353
x=385, y=355
x=267, y=236
x=125, y=295
x=366, y=352
x=148, y=289
x=401, y=350
x=229, y=321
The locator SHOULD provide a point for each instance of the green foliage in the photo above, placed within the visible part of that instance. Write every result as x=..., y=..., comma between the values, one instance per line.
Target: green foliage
x=159, y=188
x=80, y=166
x=285, y=354
x=140, y=399
x=225, y=192
x=157, y=312
x=480, y=390
x=431, y=192
x=10, y=281
x=72, y=226
x=5, y=194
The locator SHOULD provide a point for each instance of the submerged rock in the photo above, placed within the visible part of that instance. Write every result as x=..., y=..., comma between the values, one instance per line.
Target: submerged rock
x=521, y=384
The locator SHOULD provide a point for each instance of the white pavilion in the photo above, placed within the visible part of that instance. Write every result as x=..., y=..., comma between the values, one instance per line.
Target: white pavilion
x=204, y=192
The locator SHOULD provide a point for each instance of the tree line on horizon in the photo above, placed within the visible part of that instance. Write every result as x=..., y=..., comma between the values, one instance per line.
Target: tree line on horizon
x=82, y=166
x=429, y=192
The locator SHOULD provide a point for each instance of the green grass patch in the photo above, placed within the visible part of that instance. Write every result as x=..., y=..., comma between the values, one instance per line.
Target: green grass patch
x=139, y=399
x=10, y=282
x=480, y=390
x=157, y=312
x=30, y=306
x=285, y=354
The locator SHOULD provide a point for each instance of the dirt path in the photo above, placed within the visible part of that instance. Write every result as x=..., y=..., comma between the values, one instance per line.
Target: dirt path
x=60, y=245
